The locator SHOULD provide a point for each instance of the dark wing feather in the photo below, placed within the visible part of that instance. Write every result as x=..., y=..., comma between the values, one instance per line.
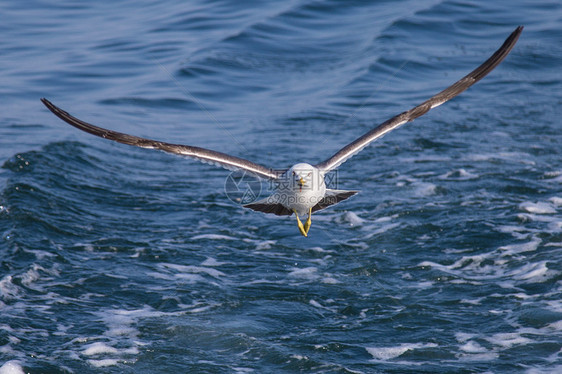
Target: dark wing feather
x=480, y=72
x=274, y=208
x=201, y=154
x=332, y=197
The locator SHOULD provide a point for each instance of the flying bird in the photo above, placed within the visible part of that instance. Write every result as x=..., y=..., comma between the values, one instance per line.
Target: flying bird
x=301, y=189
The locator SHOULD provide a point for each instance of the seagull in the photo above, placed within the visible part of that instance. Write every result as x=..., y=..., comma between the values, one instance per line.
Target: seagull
x=301, y=189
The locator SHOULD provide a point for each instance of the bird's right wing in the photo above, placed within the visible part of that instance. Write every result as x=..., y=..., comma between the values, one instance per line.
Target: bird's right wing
x=200, y=154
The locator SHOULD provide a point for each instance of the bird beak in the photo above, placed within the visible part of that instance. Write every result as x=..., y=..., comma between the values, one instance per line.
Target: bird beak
x=301, y=183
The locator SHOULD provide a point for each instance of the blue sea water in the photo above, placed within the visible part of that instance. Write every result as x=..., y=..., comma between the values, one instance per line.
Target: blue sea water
x=125, y=260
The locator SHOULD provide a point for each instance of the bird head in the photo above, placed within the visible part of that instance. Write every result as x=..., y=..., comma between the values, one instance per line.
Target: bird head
x=302, y=176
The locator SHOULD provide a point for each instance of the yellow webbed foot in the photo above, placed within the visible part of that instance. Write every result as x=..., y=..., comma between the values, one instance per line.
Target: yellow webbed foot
x=299, y=224
x=308, y=221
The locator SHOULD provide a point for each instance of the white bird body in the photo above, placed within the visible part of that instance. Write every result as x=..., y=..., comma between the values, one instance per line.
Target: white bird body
x=301, y=188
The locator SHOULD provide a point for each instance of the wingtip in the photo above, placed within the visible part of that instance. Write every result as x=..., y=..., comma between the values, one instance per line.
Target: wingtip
x=46, y=102
x=52, y=107
x=518, y=30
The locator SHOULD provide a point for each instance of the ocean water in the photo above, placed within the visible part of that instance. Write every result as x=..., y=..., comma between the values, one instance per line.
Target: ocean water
x=124, y=260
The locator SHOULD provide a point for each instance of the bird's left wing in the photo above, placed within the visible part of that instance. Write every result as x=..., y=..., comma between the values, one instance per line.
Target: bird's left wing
x=480, y=72
x=200, y=154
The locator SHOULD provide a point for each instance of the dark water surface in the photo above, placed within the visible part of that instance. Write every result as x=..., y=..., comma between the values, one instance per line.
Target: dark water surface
x=125, y=260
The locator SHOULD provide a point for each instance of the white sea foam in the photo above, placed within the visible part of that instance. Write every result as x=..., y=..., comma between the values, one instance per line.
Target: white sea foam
x=556, y=201
x=533, y=272
x=477, y=301
x=526, y=217
x=265, y=244
x=553, y=244
x=550, y=370
x=554, y=221
x=558, y=179
x=309, y=273
x=197, y=307
x=388, y=353
x=7, y=350
x=120, y=342
x=460, y=174
x=472, y=263
x=555, y=225
x=330, y=280
x=471, y=267
x=553, y=174
x=537, y=208
x=98, y=348
x=512, y=249
x=423, y=285
x=425, y=158
x=189, y=278
x=33, y=274
x=168, y=277
x=40, y=255
x=478, y=357
x=8, y=290
x=518, y=157
x=518, y=232
x=463, y=336
x=320, y=250
x=555, y=326
x=353, y=219
x=316, y=304
x=213, y=237
x=242, y=370
x=376, y=230
x=193, y=269
x=386, y=218
x=103, y=363
x=508, y=340
x=423, y=189
x=473, y=347
x=11, y=367
x=471, y=350
x=212, y=262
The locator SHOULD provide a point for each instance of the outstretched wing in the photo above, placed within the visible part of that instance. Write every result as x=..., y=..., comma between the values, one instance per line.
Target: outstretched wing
x=200, y=154
x=480, y=72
